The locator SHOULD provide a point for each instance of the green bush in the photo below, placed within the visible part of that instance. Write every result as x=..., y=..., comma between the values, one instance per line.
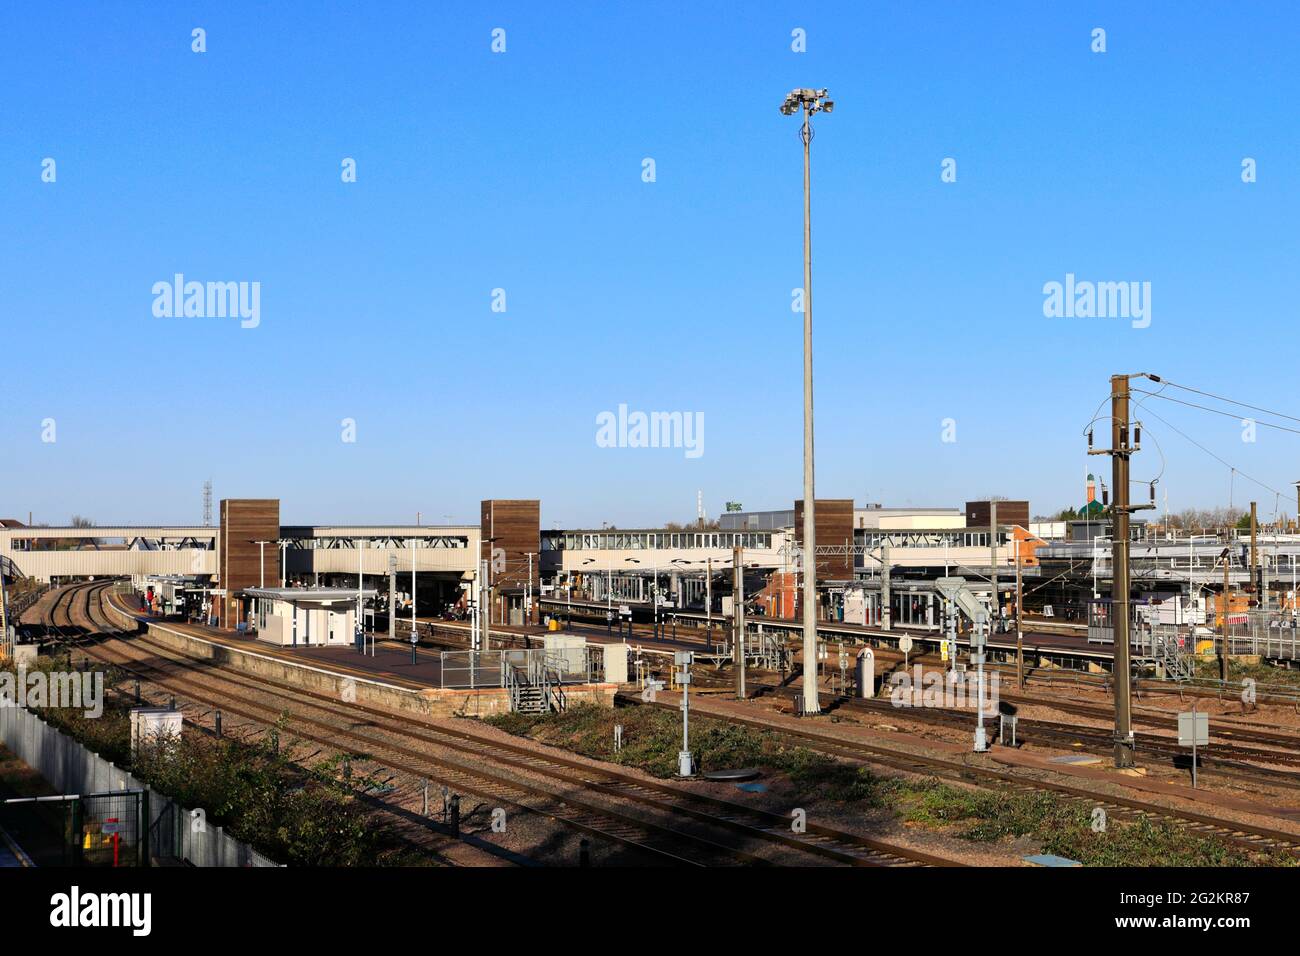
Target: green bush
x=296, y=815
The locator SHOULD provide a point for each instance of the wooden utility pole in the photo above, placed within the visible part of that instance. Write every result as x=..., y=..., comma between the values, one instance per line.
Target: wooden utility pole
x=995, y=609
x=392, y=597
x=1254, y=559
x=1119, y=400
x=738, y=615
x=708, y=600
x=1223, y=625
x=1020, y=631
x=1120, y=451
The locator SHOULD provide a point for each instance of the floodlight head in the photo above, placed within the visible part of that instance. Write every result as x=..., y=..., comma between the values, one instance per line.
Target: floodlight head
x=814, y=101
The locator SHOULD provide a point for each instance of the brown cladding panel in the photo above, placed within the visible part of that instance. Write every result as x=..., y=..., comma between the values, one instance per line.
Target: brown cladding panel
x=1009, y=512
x=516, y=525
x=834, y=528
x=245, y=521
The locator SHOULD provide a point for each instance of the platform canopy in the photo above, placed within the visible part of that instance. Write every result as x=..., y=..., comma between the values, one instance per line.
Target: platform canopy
x=319, y=596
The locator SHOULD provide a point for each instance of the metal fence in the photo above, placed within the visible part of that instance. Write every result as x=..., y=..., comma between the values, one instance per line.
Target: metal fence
x=171, y=831
x=1269, y=641
x=17, y=606
x=97, y=829
x=475, y=669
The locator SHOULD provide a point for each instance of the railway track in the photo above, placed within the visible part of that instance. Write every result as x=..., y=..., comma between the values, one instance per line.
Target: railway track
x=1223, y=759
x=685, y=827
x=1228, y=758
x=1050, y=676
x=1245, y=836
x=468, y=770
x=1249, y=837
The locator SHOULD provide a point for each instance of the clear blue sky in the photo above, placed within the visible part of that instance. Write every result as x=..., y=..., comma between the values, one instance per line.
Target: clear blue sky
x=522, y=171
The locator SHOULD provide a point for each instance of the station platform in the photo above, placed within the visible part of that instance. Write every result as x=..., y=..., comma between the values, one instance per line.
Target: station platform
x=386, y=664
x=1067, y=646
x=386, y=678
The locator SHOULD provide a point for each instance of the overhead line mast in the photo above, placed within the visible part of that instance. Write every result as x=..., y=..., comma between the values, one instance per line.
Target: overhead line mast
x=1120, y=451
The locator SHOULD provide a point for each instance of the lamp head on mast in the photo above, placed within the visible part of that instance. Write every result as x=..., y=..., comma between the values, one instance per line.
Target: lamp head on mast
x=814, y=101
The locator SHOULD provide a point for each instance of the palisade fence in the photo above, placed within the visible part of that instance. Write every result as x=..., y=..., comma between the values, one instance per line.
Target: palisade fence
x=72, y=768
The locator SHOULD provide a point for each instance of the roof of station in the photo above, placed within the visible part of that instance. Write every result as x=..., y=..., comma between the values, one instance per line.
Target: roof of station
x=307, y=594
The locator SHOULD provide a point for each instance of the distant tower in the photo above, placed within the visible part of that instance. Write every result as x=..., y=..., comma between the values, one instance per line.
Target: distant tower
x=1092, y=489
x=207, y=503
x=699, y=507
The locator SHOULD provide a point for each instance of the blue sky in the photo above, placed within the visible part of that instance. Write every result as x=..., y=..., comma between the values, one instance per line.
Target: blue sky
x=522, y=171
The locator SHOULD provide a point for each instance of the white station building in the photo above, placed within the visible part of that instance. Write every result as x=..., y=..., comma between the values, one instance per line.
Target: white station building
x=305, y=617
